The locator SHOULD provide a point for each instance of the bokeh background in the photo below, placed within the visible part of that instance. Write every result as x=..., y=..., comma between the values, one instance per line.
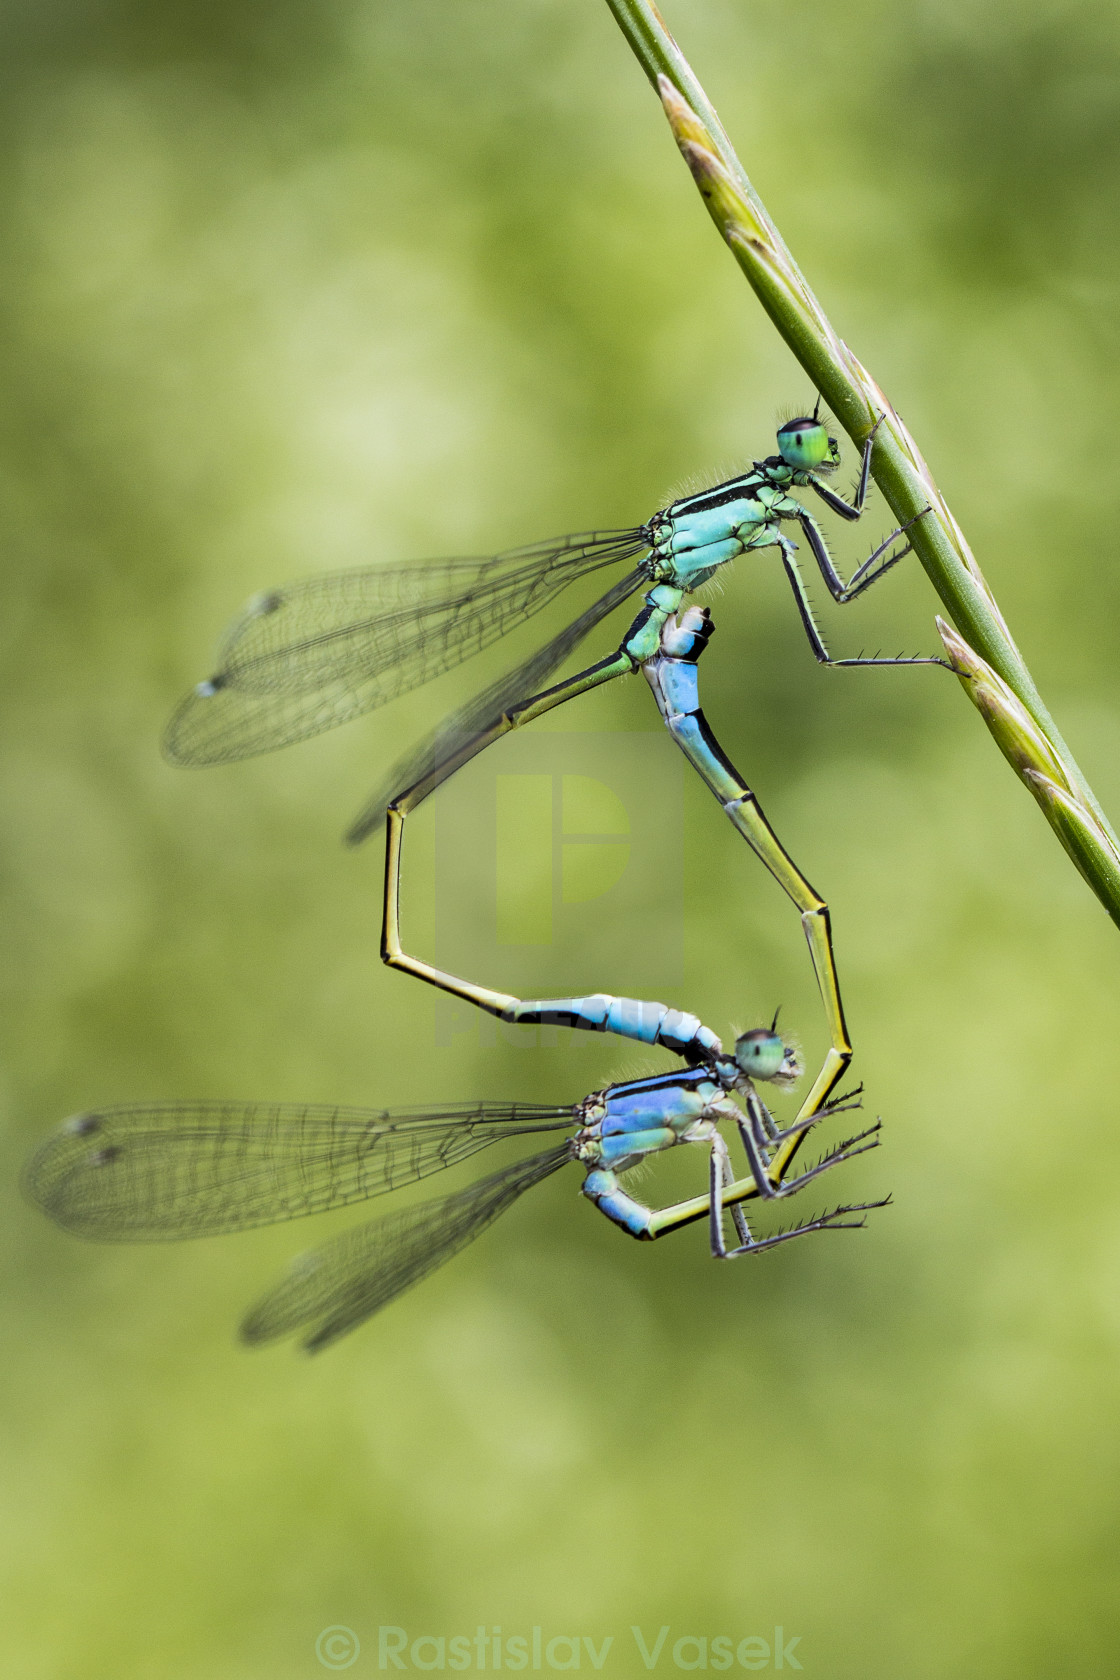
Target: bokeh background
x=287, y=287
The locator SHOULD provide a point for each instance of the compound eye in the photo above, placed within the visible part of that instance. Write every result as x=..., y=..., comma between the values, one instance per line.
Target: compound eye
x=760, y=1054
x=803, y=443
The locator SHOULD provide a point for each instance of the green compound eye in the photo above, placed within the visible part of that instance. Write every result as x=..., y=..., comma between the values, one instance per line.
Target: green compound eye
x=761, y=1054
x=804, y=444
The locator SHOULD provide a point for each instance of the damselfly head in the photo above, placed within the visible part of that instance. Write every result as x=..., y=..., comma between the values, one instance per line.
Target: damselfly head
x=763, y=1054
x=804, y=444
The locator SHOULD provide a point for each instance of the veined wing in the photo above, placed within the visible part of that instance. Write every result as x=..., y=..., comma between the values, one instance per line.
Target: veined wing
x=335, y=1288
x=471, y=720
x=302, y=659
x=146, y=1173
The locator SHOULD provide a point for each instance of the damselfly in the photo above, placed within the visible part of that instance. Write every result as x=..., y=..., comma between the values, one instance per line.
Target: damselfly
x=164, y=1171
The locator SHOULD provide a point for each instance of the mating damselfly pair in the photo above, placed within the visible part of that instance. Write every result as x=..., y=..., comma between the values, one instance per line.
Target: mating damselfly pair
x=304, y=658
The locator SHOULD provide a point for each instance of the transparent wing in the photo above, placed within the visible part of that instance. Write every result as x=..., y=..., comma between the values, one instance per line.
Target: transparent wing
x=302, y=659
x=471, y=720
x=335, y=1288
x=162, y=1172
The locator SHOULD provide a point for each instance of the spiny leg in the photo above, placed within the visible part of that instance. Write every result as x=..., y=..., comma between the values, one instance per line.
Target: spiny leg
x=863, y=576
x=761, y=1140
x=761, y=1137
x=809, y=623
x=658, y=1222
x=839, y=1219
x=867, y=572
x=768, y=1134
x=774, y=1189
x=744, y=1189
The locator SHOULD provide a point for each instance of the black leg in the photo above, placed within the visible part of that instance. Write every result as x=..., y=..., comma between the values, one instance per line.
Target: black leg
x=837, y=1220
x=816, y=640
x=853, y=509
x=864, y=575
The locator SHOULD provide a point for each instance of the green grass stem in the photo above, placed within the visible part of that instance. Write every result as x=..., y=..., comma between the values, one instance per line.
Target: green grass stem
x=984, y=647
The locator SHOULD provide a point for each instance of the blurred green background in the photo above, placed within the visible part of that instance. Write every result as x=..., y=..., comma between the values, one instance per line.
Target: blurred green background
x=295, y=287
